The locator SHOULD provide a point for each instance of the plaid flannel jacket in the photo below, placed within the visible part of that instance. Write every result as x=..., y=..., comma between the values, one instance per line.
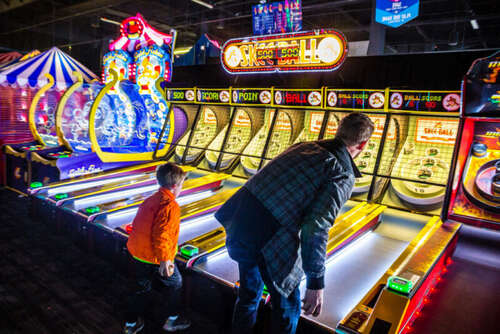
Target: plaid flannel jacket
x=303, y=188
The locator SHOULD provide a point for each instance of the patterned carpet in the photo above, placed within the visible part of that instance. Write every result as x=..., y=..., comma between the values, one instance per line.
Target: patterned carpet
x=48, y=285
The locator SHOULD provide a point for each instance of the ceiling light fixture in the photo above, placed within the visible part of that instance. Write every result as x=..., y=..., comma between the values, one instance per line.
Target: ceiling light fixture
x=203, y=3
x=474, y=24
x=103, y=19
x=183, y=50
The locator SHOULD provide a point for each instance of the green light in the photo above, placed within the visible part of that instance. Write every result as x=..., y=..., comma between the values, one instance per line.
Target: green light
x=189, y=250
x=36, y=184
x=63, y=156
x=61, y=196
x=399, y=284
x=92, y=209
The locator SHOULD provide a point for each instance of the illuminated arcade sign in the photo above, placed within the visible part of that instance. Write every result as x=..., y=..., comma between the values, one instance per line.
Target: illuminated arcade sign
x=436, y=131
x=212, y=96
x=434, y=101
x=252, y=96
x=361, y=100
x=180, y=94
x=323, y=50
x=311, y=98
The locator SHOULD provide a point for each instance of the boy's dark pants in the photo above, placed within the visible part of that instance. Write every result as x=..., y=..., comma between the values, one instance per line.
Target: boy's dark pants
x=145, y=276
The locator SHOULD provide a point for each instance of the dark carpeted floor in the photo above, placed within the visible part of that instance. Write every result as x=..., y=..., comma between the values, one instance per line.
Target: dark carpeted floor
x=48, y=285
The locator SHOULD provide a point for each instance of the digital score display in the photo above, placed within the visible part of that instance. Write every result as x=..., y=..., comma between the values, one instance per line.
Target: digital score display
x=277, y=17
x=212, y=96
x=298, y=98
x=435, y=101
x=341, y=99
x=323, y=50
x=181, y=95
x=256, y=97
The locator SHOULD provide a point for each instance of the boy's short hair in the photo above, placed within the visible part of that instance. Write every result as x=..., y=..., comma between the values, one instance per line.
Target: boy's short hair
x=169, y=174
x=355, y=128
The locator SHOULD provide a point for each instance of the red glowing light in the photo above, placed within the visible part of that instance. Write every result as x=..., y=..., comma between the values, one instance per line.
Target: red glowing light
x=128, y=228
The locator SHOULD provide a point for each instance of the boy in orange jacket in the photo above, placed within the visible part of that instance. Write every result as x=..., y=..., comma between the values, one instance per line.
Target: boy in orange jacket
x=153, y=245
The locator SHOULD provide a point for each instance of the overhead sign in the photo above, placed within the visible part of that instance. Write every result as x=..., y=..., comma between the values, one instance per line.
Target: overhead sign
x=322, y=50
x=394, y=13
x=277, y=17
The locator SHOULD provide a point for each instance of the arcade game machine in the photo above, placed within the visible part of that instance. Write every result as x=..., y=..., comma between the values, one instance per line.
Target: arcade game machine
x=245, y=121
x=357, y=244
x=14, y=106
x=15, y=100
x=53, y=70
x=465, y=299
x=212, y=116
x=64, y=193
x=302, y=119
x=209, y=121
x=71, y=123
x=42, y=123
x=402, y=257
x=372, y=102
x=127, y=119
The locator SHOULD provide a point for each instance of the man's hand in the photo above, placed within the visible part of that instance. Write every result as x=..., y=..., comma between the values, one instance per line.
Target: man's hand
x=166, y=268
x=313, y=301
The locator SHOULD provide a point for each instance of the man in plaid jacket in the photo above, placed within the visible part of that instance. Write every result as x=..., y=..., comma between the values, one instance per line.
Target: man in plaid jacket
x=277, y=224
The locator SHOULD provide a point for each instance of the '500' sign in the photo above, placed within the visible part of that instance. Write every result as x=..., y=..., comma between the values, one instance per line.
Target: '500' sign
x=323, y=50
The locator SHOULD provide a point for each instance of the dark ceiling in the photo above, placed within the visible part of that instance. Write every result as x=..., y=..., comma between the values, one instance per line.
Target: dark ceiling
x=78, y=28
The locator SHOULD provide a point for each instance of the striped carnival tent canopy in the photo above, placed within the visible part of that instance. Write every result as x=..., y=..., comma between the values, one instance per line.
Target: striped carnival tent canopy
x=54, y=62
x=8, y=57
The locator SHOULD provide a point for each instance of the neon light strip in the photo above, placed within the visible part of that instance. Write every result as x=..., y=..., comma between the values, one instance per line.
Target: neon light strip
x=78, y=186
x=211, y=257
x=123, y=213
x=105, y=198
x=353, y=245
x=197, y=220
x=181, y=200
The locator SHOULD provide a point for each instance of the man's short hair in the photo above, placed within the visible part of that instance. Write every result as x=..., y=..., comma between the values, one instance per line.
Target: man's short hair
x=169, y=174
x=355, y=128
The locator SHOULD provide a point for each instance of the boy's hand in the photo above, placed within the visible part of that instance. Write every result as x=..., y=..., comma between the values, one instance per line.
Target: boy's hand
x=166, y=268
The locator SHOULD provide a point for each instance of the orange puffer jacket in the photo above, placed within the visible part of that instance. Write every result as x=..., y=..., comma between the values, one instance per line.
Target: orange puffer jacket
x=155, y=228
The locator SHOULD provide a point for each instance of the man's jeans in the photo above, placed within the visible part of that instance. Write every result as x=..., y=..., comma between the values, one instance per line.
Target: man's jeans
x=145, y=276
x=286, y=311
x=251, y=226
